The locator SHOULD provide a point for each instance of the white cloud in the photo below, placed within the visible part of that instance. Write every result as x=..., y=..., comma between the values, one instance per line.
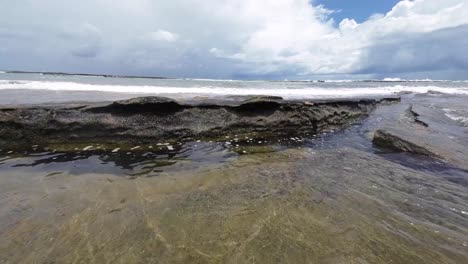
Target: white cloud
x=229, y=38
x=163, y=35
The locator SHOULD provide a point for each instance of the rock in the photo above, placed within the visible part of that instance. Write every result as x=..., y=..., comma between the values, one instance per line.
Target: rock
x=424, y=129
x=156, y=118
x=416, y=116
x=388, y=140
x=160, y=105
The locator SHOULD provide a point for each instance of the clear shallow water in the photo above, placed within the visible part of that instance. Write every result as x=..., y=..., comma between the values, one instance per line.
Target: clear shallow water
x=149, y=160
x=182, y=88
x=270, y=203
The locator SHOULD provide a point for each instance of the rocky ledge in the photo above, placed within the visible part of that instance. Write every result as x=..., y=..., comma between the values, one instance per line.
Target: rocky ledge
x=157, y=118
x=434, y=126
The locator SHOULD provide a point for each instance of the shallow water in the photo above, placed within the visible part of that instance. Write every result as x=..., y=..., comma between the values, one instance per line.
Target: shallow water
x=204, y=202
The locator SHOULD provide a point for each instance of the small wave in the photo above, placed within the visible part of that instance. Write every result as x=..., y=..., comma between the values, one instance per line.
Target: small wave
x=207, y=80
x=415, y=80
x=463, y=120
x=339, y=81
x=452, y=114
x=393, y=80
x=5, y=82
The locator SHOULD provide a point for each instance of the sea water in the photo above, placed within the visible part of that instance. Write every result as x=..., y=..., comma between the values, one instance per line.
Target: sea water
x=60, y=87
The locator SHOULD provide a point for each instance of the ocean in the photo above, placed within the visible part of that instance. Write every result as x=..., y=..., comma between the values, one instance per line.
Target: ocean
x=64, y=87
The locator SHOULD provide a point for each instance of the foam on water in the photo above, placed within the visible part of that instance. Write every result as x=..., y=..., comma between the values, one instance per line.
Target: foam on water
x=285, y=92
x=455, y=117
x=392, y=80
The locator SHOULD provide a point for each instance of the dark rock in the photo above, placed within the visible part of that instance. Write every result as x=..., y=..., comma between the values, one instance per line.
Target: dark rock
x=416, y=116
x=425, y=129
x=156, y=118
x=263, y=98
x=390, y=141
x=140, y=105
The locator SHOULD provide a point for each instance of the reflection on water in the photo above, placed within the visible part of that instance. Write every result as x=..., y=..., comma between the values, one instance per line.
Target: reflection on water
x=133, y=159
x=138, y=160
x=99, y=160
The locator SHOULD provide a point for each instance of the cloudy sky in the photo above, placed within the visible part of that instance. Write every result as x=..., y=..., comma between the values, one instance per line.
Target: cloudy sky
x=238, y=39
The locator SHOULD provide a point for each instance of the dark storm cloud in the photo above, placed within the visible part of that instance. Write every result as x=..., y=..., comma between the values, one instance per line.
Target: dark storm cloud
x=441, y=50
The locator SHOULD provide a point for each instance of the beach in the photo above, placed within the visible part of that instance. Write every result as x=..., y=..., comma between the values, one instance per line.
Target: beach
x=234, y=131
x=99, y=170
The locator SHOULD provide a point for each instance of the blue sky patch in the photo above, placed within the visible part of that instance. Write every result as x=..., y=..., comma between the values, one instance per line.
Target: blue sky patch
x=359, y=10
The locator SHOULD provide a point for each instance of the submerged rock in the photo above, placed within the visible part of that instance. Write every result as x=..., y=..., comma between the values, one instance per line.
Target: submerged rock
x=149, y=118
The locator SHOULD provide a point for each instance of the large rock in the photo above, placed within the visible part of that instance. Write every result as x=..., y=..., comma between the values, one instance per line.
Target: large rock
x=387, y=139
x=150, y=118
x=431, y=127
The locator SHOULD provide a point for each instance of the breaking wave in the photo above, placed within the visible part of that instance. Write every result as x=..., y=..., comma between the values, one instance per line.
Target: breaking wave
x=288, y=93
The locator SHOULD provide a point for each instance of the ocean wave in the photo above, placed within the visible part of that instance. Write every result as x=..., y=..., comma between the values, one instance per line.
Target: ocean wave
x=393, y=80
x=306, y=92
x=452, y=114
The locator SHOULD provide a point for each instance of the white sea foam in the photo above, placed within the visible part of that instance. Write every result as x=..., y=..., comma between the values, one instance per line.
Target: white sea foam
x=305, y=92
x=337, y=81
x=461, y=119
x=455, y=117
x=393, y=80
x=212, y=80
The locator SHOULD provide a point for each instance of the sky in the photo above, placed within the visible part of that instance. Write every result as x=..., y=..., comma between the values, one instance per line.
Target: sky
x=359, y=10
x=238, y=39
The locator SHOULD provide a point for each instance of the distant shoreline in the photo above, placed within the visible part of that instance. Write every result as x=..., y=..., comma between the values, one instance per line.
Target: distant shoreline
x=386, y=80
x=87, y=74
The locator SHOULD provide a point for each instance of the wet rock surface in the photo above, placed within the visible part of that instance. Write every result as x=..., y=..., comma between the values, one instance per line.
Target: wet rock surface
x=145, y=118
x=430, y=125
